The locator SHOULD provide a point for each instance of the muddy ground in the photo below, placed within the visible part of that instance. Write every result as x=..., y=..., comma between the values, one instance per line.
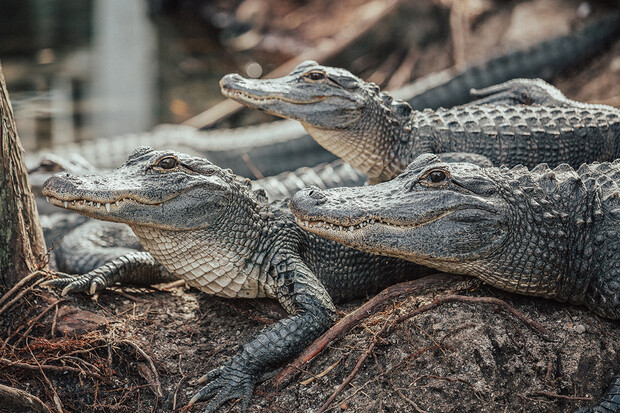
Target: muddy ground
x=457, y=357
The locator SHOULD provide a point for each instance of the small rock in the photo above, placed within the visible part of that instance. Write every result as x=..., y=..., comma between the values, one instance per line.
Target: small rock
x=579, y=329
x=75, y=321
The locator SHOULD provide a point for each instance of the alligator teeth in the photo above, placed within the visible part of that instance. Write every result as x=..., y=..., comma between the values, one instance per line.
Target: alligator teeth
x=98, y=205
x=66, y=204
x=116, y=203
x=107, y=206
x=90, y=203
x=47, y=198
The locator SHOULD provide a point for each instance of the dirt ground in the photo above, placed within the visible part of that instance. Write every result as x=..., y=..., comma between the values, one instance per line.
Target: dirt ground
x=147, y=348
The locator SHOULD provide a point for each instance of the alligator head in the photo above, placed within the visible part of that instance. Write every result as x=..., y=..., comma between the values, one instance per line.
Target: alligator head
x=494, y=223
x=345, y=114
x=200, y=221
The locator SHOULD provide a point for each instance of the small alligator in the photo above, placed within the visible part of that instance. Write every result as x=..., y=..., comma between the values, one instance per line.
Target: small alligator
x=208, y=227
x=552, y=233
x=381, y=136
x=284, y=146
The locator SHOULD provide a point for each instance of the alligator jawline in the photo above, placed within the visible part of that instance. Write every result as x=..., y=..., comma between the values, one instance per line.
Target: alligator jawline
x=237, y=94
x=364, y=224
x=83, y=204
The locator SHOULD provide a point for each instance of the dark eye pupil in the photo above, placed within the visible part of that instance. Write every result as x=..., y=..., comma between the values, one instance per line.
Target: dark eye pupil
x=315, y=75
x=168, y=163
x=437, y=176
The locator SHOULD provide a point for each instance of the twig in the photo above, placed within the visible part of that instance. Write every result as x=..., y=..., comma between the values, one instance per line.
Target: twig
x=357, y=367
x=480, y=300
x=19, y=285
x=157, y=390
x=55, y=319
x=430, y=283
x=56, y=399
x=30, y=367
x=561, y=396
x=33, y=322
x=19, y=296
x=248, y=161
x=321, y=374
x=179, y=384
x=172, y=285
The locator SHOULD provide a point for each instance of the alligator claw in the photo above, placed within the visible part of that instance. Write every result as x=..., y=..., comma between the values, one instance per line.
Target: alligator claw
x=80, y=283
x=226, y=383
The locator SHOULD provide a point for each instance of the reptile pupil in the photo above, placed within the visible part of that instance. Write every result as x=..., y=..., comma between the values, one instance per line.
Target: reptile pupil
x=167, y=163
x=437, y=176
x=315, y=76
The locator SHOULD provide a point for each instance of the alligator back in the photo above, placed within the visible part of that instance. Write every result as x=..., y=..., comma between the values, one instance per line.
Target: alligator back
x=526, y=135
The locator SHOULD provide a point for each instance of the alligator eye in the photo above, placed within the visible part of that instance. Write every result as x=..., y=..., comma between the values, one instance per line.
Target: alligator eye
x=437, y=176
x=434, y=177
x=315, y=75
x=168, y=162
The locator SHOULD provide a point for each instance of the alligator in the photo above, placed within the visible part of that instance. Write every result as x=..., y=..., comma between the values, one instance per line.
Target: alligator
x=281, y=146
x=550, y=233
x=208, y=227
x=380, y=135
x=80, y=246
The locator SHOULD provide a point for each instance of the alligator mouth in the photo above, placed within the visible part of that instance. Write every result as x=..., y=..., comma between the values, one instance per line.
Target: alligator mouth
x=82, y=204
x=344, y=228
x=248, y=98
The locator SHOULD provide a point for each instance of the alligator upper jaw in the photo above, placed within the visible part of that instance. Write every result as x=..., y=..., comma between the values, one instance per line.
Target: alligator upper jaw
x=94, y=207
x=261, y=101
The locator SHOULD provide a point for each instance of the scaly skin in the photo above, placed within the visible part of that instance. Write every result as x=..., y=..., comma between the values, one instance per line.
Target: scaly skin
x=207, y=226
x=380, y=135
x=551, y=233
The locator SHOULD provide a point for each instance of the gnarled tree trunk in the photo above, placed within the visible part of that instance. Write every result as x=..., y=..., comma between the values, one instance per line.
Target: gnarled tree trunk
x=22, y=247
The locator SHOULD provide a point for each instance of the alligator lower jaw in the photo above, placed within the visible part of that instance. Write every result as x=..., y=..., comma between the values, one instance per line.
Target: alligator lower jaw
x=252, y=100
x=86, y=205
x=323, y=225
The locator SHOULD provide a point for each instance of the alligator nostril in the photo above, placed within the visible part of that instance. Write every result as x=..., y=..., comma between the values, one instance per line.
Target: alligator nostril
x=317, y=195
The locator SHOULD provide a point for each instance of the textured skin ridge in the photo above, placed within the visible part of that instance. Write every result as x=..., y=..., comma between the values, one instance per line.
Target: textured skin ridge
x=210, y=228
x=514, y=135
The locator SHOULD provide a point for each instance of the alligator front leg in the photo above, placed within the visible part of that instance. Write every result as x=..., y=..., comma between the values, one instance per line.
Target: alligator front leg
x=312, y=312
x=136, y=268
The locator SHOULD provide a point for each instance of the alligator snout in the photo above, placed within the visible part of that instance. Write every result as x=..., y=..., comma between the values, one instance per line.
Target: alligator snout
x=307, y=200
x=230, y=80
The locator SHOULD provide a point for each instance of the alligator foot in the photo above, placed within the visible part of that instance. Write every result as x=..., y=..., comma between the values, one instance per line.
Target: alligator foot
x=91, y=282
x=609, y=403
x=229, y=381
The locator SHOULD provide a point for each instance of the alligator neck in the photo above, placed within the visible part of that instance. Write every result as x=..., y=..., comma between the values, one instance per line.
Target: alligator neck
x=218, y=264
x=371, y=144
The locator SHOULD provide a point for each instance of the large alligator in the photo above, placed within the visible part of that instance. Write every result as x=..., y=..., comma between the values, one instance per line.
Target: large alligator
x=79, y=247
x=380, y=135
x=552, y=233
x=208, y=227
x=284, y=145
